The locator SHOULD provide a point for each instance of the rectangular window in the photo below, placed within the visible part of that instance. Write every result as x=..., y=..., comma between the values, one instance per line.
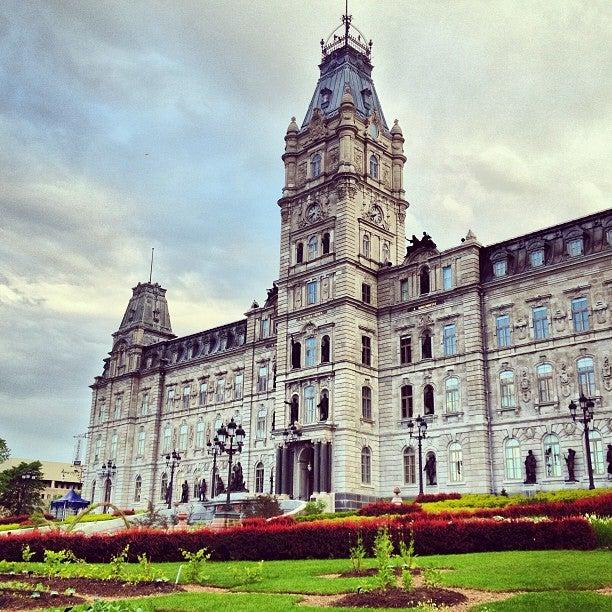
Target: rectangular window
x=500, y=268
x=545, y=383
x=144, y=404
x=365, y=293
x=118, y=406
x=405, y=349
x=262, y=378
x=221, y=390
x=170, y=398
x=310, y=355
x=540, y=322
x=238, y=384
x=202, y=393
x=447, y=278
x=141, y=443
x=508, y=395
x=409, y=467
x=366, y=403
x=265, y=327
x=575, y=247
x=366, y=350
x=450, y=339
x=261, y=425
x=186, y=397
x=404, y=292
x=406, y=402
x=580, y=314
x=311, y=292
x=502, y=331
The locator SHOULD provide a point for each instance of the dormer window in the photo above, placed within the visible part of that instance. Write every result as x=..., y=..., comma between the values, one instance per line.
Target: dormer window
x=536, y=258
x=575, y=247
x=500, y=268
x=325, y=97
x=374, y=167
x=315, y=165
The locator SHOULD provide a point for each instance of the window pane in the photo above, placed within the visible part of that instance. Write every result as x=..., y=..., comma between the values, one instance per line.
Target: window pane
x=502, y=330
x=405, y=349
x=552, y=456
x=409, y=466
x=540, y=322
x=447, y=278
x=311, y=290
x=311, y=351
x=537, y=258
x=404, y=295
x=575, y=247
x=513, y=460
x=580, y=314
x=500, y=268
x=450, y=340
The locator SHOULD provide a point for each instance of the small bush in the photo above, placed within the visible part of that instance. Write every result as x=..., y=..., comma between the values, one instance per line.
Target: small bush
x=383, y=508
x=357, y=554
x=314, y=508
x=436, y=497
x=602, y=526
x=196, y=564
x=383, y=551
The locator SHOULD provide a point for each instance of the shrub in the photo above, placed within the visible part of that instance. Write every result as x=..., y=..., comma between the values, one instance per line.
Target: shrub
x=14, y=519
x=383, y=551
x=196, y=562
x=330, y=516
x=603, y=530
x=357, y=554
x=282, y=520
x=314, y=508
x=436, y=497
x=383, y=508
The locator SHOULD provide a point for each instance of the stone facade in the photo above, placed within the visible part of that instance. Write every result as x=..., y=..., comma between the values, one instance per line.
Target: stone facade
x=359, y=335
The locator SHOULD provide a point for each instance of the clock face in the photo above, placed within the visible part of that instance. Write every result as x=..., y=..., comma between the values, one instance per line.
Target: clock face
x=377, y=214
x=373, y=129
x=313, y=213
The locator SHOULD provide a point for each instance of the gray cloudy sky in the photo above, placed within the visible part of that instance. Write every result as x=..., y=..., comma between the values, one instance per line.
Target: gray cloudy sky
x=126, y=125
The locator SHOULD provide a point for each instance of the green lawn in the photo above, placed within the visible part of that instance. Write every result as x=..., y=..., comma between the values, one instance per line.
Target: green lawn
x=557, y=601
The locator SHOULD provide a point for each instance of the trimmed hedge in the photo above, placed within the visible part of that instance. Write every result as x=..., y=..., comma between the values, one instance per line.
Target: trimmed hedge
x=318, y=540
x=428, y=498
x=382, y=508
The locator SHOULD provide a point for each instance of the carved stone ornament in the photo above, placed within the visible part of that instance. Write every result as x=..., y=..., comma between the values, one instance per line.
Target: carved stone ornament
x=529, y=433
x=564, y=380
x=525, y=386
x=302, y=173
x=425, y=321
x=298, y=296
x=358, y=158
x=521, y=326
x=606, y=374
x=332, y=160
x=559, y=319
x=601, y=310
x=569, y=429
x=284, y=214
x=316, y=128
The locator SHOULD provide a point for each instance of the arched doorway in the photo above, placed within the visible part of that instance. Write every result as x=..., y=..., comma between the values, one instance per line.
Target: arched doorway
x=304, y=464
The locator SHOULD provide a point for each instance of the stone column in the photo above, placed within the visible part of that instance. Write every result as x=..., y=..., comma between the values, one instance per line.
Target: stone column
x=288, y=468
x=316, y=485
x=279, y=471
x=324, y=467
x=284, y=470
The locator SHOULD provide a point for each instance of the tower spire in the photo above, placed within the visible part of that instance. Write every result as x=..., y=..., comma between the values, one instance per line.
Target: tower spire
x=151, y=267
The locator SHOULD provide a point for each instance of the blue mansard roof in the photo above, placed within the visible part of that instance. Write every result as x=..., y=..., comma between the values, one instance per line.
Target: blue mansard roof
x=346, y=60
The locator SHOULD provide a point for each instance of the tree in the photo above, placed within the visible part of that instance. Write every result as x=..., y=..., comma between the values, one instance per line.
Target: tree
x=4, y=451
x=21, y=487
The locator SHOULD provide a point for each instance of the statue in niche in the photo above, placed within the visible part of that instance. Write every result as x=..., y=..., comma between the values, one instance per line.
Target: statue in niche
x=606, y=374
x=324, y=408
x=559, y=317
x=430, y=469
x=570, y=461
x=530, y=468
x=184, y=492
x=600, y=309
x=525, y=385
x=564, y=380
x=202, y=490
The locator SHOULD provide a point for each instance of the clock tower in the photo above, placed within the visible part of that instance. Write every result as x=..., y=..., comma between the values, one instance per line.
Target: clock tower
x=342, y=220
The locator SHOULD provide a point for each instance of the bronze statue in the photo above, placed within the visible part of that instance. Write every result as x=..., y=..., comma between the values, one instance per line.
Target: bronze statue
x=609, y=460
x=184, y=493
x=219, y=486
x=202, y=490
x=530, y=468
x=430, y=469
x=570, y=461
x=237, y=482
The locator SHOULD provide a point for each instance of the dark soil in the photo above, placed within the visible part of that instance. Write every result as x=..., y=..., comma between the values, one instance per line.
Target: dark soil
x=398, y=598
x=11, y=599
x=359, y=573
x=93, y=586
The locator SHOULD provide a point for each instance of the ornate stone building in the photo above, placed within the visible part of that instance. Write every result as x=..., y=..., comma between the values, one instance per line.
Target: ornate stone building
x=360, y=334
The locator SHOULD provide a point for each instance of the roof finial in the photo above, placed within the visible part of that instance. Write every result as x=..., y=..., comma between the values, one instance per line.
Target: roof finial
x=151, y=267
x=346, y=20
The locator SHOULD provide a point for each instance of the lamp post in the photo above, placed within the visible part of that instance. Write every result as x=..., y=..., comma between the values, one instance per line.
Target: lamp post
x=587, y=405
x=213, y=451
x=25, y=478
x=108, y=471
x=172, y=461
x=421, y=434
x=230, y=440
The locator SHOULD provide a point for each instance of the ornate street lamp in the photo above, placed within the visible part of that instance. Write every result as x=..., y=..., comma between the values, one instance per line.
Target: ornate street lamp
x=172, y=461
x=229, y=440
x=213, y=450
x=292, y=434
x=587, y=406
x=25, y=478
x=107, y=473
x=421, y=434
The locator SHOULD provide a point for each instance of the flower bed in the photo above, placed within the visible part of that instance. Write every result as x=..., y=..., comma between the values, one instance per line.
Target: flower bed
x=382, y=508
x=320, y=539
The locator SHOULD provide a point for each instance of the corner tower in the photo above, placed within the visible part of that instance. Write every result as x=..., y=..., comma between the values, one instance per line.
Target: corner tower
x=342, y=220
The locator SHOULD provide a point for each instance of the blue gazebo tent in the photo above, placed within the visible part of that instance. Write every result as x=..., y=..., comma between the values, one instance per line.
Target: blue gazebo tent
x=71, y=503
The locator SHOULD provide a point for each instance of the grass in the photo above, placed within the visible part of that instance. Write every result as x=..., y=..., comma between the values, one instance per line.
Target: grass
x=559, y=601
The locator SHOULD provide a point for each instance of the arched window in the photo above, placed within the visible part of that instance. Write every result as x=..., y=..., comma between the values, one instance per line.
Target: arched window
x=597, y=451
x=424, y=280
x=407, y=401
x=325, y=242
x=200, y=434
x=164, y=486
x=182, y=440
x=324, y=405
x=455, y=462
x=365, y=245
x=140, y=447
x=552, y=455
x=310, y=351
x=586, y=376
x=428, y=400
x=259, y=478
x=507, y=389
x=366, y=465
x=313, y=247
x=373, y=166
x=512, y=459
x=260, y=429
x=167, y=439
x=93, y=491
x=409, y=466
x=366, y=403
x=325, y=349
x=97, y=448
x=295, y=410
x=113, y=446
x=309, y=404
x=451, y=388
x=296, y=354
x=544, y=373
x=137, y=489
x=299, y=252
x=315, y=165
x=426, y=352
